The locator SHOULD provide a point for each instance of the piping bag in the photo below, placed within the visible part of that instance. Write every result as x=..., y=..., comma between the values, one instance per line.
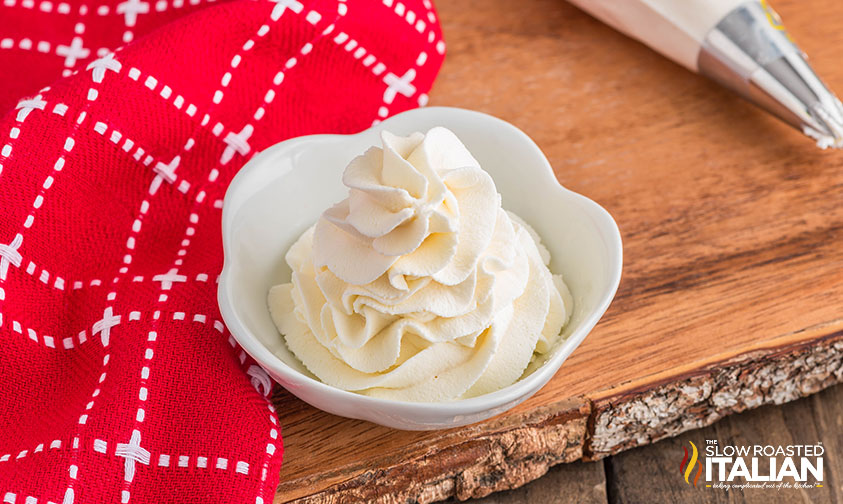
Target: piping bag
x=739, y=43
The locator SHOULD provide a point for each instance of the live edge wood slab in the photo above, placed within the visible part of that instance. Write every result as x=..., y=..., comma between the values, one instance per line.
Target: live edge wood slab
x=732, y=290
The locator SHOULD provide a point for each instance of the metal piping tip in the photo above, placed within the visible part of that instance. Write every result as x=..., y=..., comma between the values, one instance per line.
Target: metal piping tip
x=750, y=52
x=830, y=116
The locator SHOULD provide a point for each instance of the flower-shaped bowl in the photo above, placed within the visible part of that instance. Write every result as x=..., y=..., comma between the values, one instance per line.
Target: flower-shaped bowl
x=283, y=190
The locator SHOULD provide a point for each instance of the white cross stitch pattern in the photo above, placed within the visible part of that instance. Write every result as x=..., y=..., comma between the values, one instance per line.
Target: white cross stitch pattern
x=124, y=313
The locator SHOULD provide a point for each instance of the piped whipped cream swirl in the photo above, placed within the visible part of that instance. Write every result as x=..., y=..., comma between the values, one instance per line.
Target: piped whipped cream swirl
x=419, y=286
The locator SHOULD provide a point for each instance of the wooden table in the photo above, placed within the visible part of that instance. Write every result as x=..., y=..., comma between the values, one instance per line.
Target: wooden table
x=732, y=291
x=650, y=474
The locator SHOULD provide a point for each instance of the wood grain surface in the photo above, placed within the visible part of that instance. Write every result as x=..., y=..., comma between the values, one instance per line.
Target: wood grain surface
x=575, y=483
x=650, y=474
x=732, y=290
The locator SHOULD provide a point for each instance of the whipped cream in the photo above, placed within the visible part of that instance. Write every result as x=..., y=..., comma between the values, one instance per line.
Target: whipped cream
x=419, y=286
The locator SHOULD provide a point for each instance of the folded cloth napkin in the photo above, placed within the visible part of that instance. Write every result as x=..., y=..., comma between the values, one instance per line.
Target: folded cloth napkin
x=119, y=382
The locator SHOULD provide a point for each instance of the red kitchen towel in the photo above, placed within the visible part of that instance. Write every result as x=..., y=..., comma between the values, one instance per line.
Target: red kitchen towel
x=119, y=382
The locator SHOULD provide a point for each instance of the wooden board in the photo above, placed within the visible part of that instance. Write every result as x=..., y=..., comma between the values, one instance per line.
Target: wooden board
x=732, y=291
x=574, y=483
x=650, y=474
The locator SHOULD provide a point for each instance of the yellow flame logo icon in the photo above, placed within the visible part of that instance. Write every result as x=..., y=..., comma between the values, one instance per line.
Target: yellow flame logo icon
x=687, y=469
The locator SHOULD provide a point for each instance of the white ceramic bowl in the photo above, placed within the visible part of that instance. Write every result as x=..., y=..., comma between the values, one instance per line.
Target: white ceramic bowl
x=284, y=189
